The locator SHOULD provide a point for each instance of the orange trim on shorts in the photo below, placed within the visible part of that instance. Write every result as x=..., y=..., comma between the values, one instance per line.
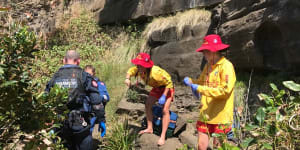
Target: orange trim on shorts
x=158, y=92
x=212, y=128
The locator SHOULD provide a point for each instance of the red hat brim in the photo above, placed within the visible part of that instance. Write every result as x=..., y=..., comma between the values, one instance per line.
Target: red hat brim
x=212, y=48
x=148, y=64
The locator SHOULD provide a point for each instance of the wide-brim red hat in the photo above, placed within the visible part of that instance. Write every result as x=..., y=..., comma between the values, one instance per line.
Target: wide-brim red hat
x=212, y=43
x=143, y=59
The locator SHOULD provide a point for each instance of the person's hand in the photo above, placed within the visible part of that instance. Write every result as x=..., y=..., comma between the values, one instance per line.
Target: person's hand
x=162, y=100
x=195, y=91
x=102, y=127
x=127, y=82
x=187, y=81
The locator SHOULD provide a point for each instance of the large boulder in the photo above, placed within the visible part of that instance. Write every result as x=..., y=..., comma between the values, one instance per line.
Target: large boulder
x=174, y=47
x=124, y=10
x=262, y=34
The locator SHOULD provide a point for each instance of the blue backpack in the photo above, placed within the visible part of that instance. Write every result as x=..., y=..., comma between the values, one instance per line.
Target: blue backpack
x=157, y=121
x=103, y=91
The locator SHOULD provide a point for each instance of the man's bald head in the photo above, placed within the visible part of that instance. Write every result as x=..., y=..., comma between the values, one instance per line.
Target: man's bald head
x=72, y=57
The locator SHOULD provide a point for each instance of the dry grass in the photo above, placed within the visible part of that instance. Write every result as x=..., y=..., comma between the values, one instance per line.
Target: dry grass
x=191, y=18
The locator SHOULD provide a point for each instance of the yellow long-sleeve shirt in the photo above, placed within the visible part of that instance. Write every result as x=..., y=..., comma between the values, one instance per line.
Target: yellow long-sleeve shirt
x=158, y=77
x=217, y=90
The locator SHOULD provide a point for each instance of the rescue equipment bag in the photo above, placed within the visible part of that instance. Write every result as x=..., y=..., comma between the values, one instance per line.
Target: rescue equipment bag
x=157, y=121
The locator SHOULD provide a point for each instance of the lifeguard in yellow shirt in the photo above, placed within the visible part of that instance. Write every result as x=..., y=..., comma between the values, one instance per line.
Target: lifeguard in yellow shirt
x=216, y=85
x=162, y=90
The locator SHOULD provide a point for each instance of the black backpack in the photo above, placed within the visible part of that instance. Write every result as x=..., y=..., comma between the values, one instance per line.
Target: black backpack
x=72, y=78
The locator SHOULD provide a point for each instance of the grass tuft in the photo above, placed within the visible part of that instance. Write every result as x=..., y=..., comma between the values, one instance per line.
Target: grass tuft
x=120, y=137
x=191, y=18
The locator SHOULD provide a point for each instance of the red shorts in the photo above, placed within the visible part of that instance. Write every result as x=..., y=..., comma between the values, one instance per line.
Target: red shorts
x=212, y=128
x=158, y=92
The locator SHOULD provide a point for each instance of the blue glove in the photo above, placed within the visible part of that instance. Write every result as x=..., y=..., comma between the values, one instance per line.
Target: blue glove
x=102, y=127
x=187, y=81
x=162, y=100
x=194, y=90
x=92, y=122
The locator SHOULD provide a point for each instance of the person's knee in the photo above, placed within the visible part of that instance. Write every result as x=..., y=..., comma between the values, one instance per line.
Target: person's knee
x=202, y=145
x=166, y=111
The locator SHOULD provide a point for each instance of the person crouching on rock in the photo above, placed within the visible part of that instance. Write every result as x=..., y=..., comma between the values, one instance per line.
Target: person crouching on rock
x=216, y=85
x=162, y=90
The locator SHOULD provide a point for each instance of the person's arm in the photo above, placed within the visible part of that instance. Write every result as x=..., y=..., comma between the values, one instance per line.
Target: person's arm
x=166, y=91
x=165, y=79
x=226, y=86
x=131, y=72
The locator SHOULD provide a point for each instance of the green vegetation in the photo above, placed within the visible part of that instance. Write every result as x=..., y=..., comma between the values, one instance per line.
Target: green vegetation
x=273, y=126
x=132, y=95
x=185, y=147
x=25, y=71
x=15, y=80
x=121, y=137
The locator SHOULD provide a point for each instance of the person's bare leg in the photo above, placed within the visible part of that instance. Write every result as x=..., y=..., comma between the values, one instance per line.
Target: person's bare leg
x=203, y=141
x=148, y=106
x=165, y=122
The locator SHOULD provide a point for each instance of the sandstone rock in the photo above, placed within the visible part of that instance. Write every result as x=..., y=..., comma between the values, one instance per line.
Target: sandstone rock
x=189, y=136
x=122, y=11
x=179, y=58
x=184, y=100
x=170, y=144
x=261, y=37
x=148, y=142
x=130, y=109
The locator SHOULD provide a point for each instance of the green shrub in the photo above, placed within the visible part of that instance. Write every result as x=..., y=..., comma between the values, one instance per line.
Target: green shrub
x=15, y=80
x=22, y=108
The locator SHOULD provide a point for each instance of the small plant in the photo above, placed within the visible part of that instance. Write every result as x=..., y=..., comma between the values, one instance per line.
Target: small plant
x=121, y=138
x=225, y=145
x=132, y=95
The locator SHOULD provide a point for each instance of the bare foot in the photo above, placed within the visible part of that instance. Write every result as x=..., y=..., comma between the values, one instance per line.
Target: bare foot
x=148, y=131
x=161, y=141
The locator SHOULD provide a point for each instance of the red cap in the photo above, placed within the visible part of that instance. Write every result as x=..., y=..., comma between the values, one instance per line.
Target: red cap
x=212, y=43
x=143, y=59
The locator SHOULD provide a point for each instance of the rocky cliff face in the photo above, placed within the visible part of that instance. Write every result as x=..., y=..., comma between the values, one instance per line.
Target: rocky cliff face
x=43, y=17
x=122, y=11
x=263, y=34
